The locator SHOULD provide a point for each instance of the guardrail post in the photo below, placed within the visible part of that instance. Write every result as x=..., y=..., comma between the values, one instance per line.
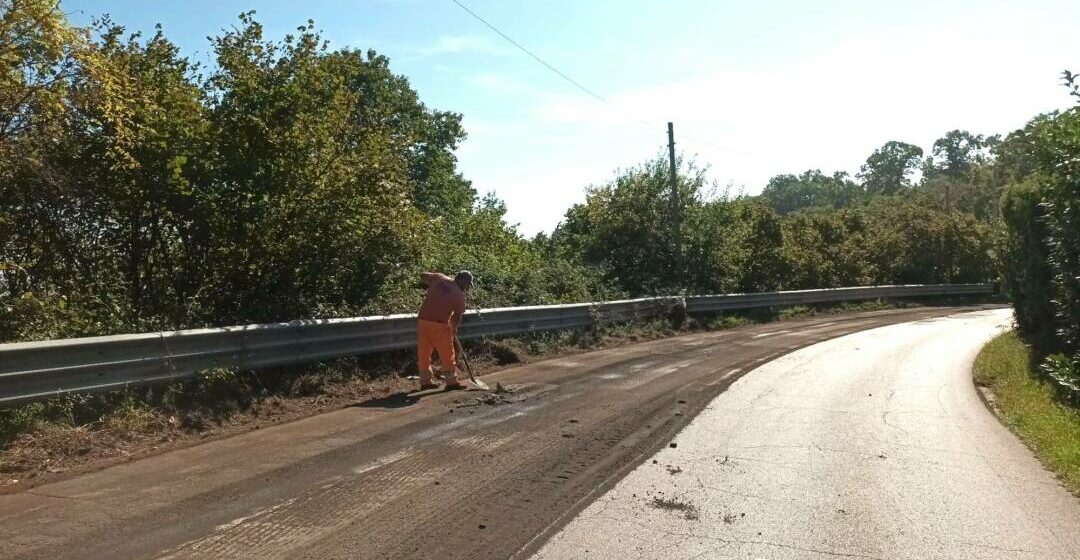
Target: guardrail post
x=677, y=312
x=588, y=332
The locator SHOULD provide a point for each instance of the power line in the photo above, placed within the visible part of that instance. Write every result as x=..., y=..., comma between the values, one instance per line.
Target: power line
x=572, y=81
x=530, y=53
x=586, y=90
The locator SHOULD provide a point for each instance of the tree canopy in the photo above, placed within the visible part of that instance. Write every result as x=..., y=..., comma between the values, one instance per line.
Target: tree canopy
x=811, y=189
x=294, y=180
x=888, y=170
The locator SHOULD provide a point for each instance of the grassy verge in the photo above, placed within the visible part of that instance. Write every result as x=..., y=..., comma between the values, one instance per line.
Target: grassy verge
x=1027, y=404
x=64, y=436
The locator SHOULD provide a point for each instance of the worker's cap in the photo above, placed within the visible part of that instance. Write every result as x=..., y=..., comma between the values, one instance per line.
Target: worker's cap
x=464, y=277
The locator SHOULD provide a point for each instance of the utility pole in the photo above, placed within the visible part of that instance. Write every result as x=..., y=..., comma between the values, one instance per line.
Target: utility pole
x=676, y=209
x=948, y=234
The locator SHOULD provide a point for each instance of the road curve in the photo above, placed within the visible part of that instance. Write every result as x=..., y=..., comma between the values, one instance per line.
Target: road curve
x=874, y=445
x=451, y=475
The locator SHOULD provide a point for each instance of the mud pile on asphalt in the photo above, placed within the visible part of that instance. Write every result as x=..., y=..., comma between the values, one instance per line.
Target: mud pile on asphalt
x=688, y=510
x=508, y=394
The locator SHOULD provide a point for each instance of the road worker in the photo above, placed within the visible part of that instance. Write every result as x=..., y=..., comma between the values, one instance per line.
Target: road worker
x=437, y=324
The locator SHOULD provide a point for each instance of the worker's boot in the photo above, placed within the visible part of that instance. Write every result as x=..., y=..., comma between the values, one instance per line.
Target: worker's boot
x=426, y=382
x=452, y=381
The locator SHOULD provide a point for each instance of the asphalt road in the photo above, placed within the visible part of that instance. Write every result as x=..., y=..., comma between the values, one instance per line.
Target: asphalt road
x=465, y=475
x=873, y=445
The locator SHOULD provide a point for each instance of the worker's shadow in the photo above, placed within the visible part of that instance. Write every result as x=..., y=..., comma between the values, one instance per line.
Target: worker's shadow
x=394, y=400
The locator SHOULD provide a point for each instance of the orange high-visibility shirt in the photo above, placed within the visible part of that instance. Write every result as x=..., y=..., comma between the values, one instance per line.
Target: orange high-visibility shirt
x=443, y=299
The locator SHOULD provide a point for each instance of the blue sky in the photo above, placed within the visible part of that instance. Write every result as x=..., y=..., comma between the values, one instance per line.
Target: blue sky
x=754, y=88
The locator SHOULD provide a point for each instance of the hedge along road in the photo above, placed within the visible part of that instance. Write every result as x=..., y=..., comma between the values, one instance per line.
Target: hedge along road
x=458, y=474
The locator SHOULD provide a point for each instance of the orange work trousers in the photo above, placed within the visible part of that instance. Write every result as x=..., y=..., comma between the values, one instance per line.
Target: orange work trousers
x=431, y=335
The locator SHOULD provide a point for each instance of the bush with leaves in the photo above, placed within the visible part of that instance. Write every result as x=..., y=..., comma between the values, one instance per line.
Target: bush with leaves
x=1041, y=248
x=812, y=189
x=293, y=181
x=626, y=227
x=296, y=181
x=1025, y=264
x=825, y=249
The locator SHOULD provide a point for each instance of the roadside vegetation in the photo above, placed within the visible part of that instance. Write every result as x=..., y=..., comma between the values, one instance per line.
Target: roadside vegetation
x=1034, y=373
x=1040, y=245
x=62, y=436
x=140, y=191
x=290, y=179
x=1027, y=402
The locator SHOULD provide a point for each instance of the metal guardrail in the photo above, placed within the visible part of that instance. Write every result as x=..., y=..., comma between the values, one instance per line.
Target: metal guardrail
x=32, y=371
x=727, y=302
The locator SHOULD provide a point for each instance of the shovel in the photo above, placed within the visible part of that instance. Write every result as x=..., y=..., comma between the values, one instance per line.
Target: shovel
x=468, y=368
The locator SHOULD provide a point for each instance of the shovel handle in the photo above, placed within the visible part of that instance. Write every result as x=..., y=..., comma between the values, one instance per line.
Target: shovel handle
x=461, y=351
x=465, y=358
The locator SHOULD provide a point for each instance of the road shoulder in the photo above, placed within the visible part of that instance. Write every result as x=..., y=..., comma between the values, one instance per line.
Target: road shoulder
x=1027, y=405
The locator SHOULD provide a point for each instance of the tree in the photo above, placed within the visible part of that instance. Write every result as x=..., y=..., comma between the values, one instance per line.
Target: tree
x=955, y=153
x=39, y=54
x=1041, y=246
x=1026, y=264
x=812, y=189
x=887, y=170
x=715, y=255
x=48, y=226
x=1072, y=82
x=959, y=174
x=824, y=249
x=511, y=270
x=911, y=242
x=763, y=266
x=624, y=226
x=438, y=188
x=295, y=181
x=140, y=139
x=312, y=200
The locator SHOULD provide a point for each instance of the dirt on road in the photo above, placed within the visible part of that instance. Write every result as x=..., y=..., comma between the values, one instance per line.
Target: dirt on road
x=437, y=475
x=872, y=446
